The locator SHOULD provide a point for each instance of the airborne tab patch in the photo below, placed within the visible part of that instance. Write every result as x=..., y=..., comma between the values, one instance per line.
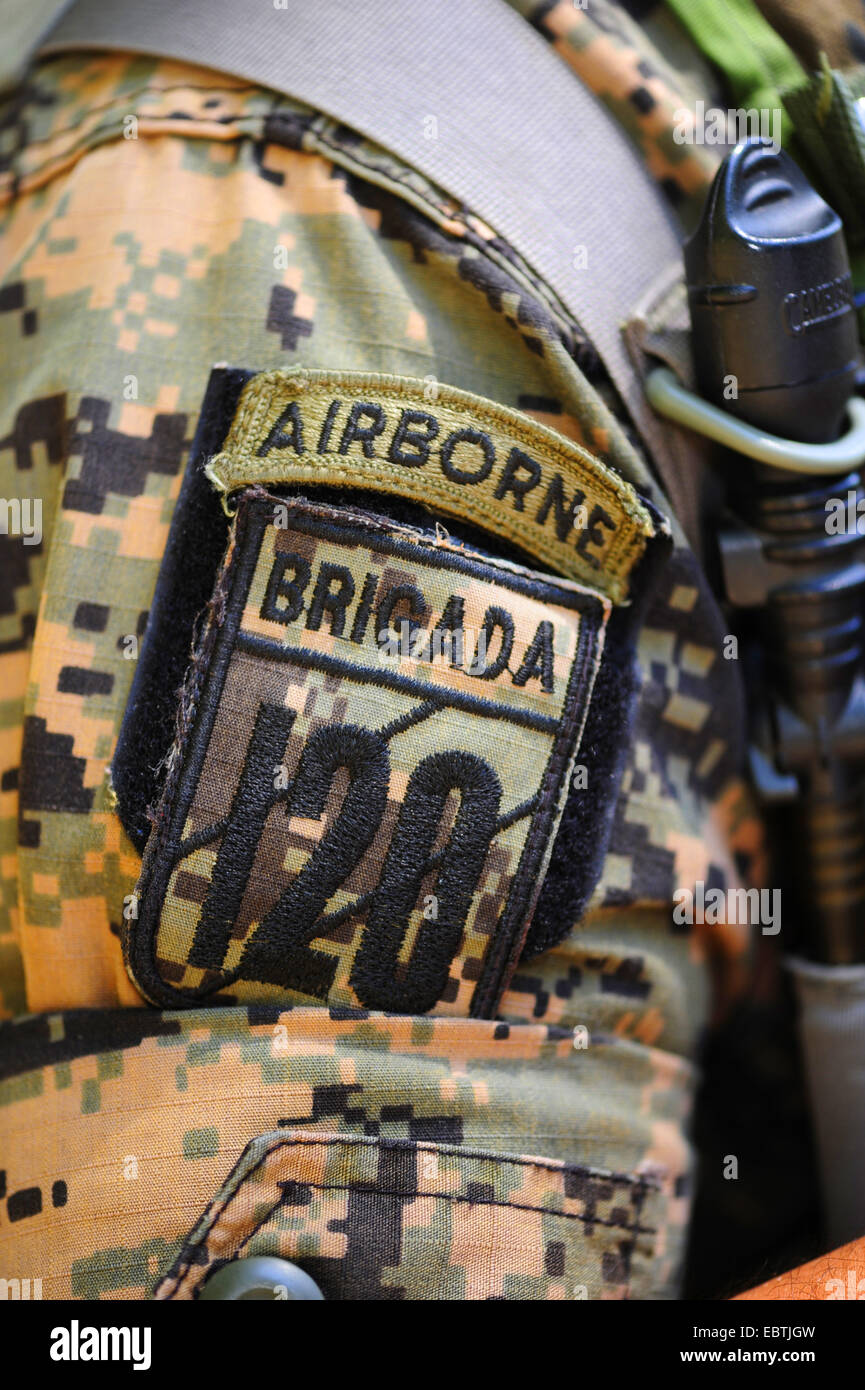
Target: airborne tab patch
x=470, y=458
x=376, y=736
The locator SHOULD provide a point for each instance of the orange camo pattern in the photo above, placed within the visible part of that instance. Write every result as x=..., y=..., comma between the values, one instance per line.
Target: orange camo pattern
x=229, y=225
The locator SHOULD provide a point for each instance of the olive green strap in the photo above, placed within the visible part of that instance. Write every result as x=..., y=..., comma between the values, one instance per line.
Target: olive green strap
x=755, y=60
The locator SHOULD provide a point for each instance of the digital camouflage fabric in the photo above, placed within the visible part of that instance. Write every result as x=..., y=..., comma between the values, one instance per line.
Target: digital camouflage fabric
x=158, y=219
x=647, y=94
x=155, y=1110
x=321, y=1195
x=421, y=905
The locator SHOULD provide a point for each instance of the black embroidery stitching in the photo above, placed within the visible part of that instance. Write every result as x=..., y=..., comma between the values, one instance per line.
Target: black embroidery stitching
x=410, y=719
x=342, y=914
x=221, y=636
x=365, y=675
x=374, y=974
x=359, y=526
x=493, y=617
x=294, y=919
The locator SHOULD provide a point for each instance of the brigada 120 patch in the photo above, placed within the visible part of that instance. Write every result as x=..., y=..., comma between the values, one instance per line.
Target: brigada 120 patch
x=375, y=739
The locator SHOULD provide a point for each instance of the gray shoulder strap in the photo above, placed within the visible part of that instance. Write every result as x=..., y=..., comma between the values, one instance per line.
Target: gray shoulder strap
x=519, y=140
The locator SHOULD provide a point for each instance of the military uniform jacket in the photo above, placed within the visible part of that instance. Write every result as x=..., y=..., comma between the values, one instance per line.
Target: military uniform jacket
x=364, y=707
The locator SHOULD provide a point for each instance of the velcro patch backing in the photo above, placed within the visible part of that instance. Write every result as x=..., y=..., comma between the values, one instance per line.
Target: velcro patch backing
x=375, y=741
x=465, y=457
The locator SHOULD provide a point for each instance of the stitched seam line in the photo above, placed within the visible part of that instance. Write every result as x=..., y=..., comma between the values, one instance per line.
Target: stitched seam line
x=216, y=1210
x=390, y=474
x=110, y=132
x=120, y=107
x=382, y=471
x=472, y=1201
x=512, y=1161
x=400, y=531
x=117, y=104
x=443, y=211
x=644, y=1184
x=325, y=141
x=428, y=199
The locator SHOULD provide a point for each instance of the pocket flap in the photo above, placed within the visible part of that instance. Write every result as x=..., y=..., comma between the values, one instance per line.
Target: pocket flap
x=372, y=1219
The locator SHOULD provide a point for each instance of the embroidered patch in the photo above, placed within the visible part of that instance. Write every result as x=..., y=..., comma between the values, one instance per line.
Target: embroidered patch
x=463, y=456
x=375, y=740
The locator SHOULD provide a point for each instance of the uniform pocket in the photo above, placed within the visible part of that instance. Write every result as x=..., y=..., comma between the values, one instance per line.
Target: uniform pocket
x=372, y=1218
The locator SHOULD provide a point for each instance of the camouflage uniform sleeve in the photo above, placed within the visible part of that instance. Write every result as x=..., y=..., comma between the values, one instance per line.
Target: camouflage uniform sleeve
x=158, y=219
